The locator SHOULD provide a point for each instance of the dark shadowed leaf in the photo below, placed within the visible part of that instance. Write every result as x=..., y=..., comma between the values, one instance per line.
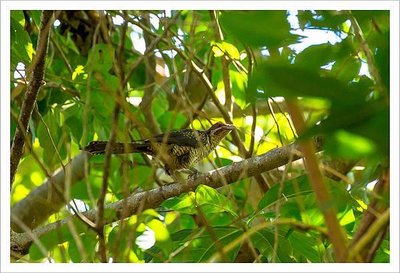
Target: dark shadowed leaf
x=258, y=28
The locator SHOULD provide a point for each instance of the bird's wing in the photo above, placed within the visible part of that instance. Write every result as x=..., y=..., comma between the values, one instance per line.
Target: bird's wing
x=185, y=137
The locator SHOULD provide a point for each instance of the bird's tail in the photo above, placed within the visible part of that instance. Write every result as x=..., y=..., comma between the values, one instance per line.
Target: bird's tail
x=99, y=147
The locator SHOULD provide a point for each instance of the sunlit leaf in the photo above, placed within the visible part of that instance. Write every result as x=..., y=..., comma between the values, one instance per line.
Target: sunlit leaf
x=220, y=49
x=184, y=203
x=211, y=201
x=78, y=70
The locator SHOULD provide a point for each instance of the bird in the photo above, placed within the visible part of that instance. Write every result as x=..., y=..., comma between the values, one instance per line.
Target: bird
x=177, y=150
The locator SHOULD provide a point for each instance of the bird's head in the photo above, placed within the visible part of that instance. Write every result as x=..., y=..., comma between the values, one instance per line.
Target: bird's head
x=219, y=130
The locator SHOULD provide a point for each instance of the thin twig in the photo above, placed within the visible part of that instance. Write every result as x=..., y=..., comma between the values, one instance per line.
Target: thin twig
x=49, y=135
x=253, y=129
x=276, y=122
x=63, y=57
x=373, y=70
x=150, y=48
x=28, y=142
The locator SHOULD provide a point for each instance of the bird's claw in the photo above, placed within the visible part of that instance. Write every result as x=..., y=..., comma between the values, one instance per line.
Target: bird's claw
x=195, y=173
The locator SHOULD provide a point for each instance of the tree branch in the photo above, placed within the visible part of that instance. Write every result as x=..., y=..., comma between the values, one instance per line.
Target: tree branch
x=324, y=199
x=45, y=200
x=32, y=91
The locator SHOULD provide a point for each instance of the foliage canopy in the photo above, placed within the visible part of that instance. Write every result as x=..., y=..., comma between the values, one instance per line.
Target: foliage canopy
x=139, y=73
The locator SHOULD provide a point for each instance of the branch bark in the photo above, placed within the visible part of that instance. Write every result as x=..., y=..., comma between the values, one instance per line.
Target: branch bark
x=46, y=199
x=35, y=82
x=153, y=198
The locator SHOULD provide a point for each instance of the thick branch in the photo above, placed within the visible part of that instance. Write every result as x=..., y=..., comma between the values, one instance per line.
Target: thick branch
x=32, y=91
x=153, y=198
x=48, y=198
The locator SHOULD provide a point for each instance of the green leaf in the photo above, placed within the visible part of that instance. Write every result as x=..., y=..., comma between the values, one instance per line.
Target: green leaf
x=263, y=240
x=203, y=246
x=78, y=70
x=49, y=241
x=363, y=119
x=347, y=218
x=36, y=14
x=80, y=190
x=322, y=19
x=89, y=242
x=225, y=48
x=258, y=28
x=141, y=175
x=292, y=209
x=55, y=96
x=183, y=203
x=298, y=190
x=315, y=56
x=22, y=48
x=211, y=201
x=305, y=247
x=295, y=187
x=221, y=162
x=239, y=83
x=161, y=234
x=365, y=17
x=103, y=105
x=279, y=78
x=348, y=145
x=18, y=16
x=54, y=237
x=116, y=238
x=74, y=124
x=159, y=106
x=382, y=58
x=47, y=135
x=346, y=69
x=100, y=58
x=67, y=44
x=171, y=120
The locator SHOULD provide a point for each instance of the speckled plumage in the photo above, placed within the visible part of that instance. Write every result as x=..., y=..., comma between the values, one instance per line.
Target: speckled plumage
x=177, y=150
